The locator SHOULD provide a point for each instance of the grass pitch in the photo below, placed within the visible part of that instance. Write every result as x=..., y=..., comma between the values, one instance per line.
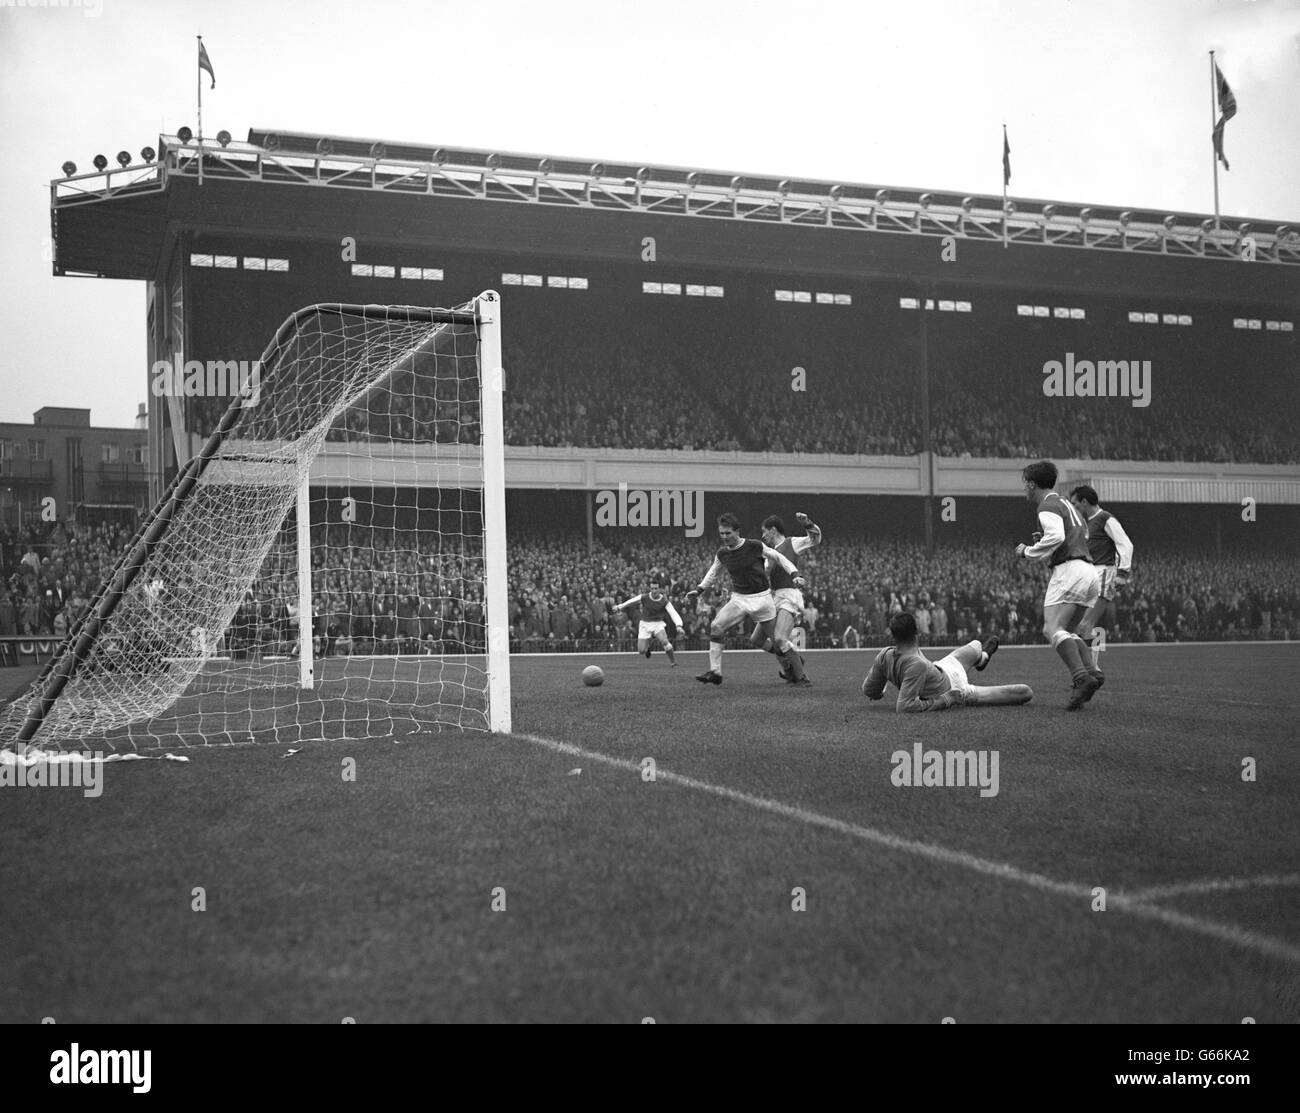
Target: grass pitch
x=674, y=898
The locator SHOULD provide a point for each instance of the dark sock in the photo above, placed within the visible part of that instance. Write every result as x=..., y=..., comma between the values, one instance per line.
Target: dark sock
x=1085, y=655
x=1068, y=651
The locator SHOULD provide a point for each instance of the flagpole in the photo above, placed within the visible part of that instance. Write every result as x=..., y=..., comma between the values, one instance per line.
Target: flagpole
x=198, y=74
x=1005, y=242
x=1214, y=157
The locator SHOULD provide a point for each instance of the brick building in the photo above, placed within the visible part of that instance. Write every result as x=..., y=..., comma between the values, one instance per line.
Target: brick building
x=92, y=472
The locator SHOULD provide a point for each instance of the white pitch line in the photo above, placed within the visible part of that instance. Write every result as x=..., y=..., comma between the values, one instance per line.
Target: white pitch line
x=1213, y=885
x=1267, y=945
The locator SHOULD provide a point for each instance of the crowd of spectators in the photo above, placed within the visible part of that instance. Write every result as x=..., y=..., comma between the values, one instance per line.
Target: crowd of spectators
x=708, y=378
x=988, y=401
x=856, y=584
x=49, y=575
x=404, y=590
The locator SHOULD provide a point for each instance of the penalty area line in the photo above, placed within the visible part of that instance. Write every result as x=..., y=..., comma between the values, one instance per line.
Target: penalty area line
x=1213, y=885
x=1136, y=904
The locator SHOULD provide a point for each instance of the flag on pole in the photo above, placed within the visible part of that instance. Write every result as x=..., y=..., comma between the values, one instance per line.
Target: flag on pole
x=1006, y=158
x=205, y=63
x=1227, y=110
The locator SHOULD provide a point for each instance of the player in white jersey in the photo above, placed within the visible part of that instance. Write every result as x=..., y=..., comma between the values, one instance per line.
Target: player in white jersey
x=774, y=636
x=656, y=611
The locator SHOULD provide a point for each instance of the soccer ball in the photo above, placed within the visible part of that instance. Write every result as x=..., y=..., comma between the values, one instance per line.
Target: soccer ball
x=592, y=676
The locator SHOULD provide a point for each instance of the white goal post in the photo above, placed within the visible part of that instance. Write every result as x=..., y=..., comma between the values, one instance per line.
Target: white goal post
x=363, y=486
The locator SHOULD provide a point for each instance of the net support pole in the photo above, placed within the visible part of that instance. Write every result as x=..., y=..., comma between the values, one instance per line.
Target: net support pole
x=306, y=658
x=487, y=307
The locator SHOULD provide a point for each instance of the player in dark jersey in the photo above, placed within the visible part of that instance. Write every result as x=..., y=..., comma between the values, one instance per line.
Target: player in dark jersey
x=1111, y=551
x=925, y=685
x=657, y=611
x=751, y=593
x=774, y=636
x=1073, y=586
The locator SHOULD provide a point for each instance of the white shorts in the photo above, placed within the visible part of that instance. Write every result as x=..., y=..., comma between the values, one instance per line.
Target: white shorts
x=1106, y=575
x=789, y=599
x=955, y=671
x=648, y=630
x=1076, y=582
x=759, y=606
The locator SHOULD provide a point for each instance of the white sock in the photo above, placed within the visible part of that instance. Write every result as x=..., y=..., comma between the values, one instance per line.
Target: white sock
x=715, y=656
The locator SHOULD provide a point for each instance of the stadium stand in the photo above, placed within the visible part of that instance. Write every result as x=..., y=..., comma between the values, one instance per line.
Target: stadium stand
x=718, y=378
x=405, y=591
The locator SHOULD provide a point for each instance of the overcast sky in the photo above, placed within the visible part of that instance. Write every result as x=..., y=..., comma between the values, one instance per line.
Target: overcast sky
x=1106, y=101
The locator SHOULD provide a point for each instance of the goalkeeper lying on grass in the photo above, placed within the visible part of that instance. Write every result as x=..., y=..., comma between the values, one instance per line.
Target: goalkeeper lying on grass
x=925, y=685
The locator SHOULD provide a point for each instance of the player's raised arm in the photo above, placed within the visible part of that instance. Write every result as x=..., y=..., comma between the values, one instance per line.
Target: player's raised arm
x=630, y=603
x=813, y=530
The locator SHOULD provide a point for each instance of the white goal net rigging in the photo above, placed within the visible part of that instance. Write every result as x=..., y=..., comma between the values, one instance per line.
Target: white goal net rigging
x=331, y=564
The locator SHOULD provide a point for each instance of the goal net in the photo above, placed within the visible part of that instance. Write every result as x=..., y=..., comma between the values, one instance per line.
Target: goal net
x=331, y=564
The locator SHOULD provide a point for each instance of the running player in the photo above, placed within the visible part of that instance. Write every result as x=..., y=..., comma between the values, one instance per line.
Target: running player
x=751, y=593
x=1111, y=551
x=925, y=685
x=656, y=610
x=774, y=637
x=1073, y=586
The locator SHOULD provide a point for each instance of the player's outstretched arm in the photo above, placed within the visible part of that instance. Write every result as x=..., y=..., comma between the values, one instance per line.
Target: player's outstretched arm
x=712, y=574
x=629, y=603
x=779, y=558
